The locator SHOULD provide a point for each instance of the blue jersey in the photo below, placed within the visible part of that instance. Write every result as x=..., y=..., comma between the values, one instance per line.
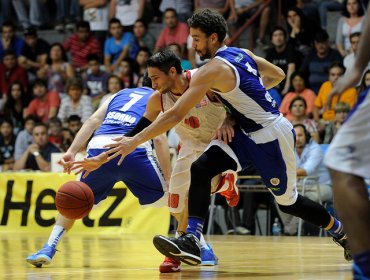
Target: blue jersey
x=249, y=102
x=124, y=111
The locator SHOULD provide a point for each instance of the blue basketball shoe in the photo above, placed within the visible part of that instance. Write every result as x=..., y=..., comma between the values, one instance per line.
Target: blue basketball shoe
x=358, y=274
x=43, y=256
x=207, y=256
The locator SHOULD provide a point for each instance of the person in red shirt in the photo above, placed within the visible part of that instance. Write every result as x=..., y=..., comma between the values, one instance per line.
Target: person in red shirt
x=10, y=71
x=45, y=104
x=81, y=45
x=174, y=32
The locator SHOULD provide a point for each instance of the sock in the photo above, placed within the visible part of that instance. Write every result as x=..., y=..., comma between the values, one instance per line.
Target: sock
x=195, y=226
x=56, y=235
x=335, y=228
x=203, y=243
x=363, y=262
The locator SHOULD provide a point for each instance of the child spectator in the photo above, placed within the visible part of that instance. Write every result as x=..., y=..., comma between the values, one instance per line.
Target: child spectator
x=45, y=104
x=341, y=111
x=7, y=143
x=24, y=137
x=114, y=85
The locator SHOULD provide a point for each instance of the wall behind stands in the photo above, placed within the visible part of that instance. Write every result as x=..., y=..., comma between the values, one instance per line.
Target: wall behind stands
x=27, y=205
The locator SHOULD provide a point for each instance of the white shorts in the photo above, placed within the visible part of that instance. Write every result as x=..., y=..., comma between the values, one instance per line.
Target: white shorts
x=349, y=151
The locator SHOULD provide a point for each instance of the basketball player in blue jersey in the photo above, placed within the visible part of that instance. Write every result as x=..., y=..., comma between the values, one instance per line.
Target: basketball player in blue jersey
x=117, y=116
x=348, y=159
x=261, y=134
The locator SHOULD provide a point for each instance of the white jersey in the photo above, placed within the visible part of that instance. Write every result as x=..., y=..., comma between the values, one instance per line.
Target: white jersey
x=200, y=124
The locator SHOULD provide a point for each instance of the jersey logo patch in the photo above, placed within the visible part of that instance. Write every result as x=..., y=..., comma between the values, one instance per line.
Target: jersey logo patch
x=192, y=121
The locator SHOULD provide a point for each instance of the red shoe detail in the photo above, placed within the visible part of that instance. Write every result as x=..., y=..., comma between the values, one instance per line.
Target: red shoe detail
x=232, y=194
x=170, y=265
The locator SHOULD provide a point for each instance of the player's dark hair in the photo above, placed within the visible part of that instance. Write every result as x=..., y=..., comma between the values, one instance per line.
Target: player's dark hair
x=147, y=82
x=209, y=22
x=164, y=60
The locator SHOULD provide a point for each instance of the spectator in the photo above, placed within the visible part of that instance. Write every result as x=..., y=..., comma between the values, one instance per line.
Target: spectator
x=222, y=6
x=10, y=71
x=282, y=55
x=351, y=22
x=81, y=45
x=242, y=10
x=141, y=59
x=185, y=64
x=127, y=12
x=45, y=103
x=34, y=52
x=349, y=59
x=67, y=15
x=301, y=30
x=96, y=13
x=309, y=161
x=24, y=137
x=341, y=111
x=16, y=106
x=7, y=143
x=174, y=32
x=117, y=47
x=299, y=89
x=36, y=16
x=143, y=38
x=55, y=131
x=365, y=82
x=57, y=69
x=95, y=80
x=328, y=5
x=183, y=9
x=315, y=65
x=75, y=103
x=9, y=40
x=298, y=108
x=114, y=85
x=74, y=124
x=127, y=73
x=349, y=96
x=38, y=155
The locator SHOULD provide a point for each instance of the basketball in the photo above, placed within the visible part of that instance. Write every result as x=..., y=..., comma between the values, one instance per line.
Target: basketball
x=74, y=200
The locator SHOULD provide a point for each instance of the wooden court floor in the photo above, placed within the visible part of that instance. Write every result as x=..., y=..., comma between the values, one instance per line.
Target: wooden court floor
x=134, y=257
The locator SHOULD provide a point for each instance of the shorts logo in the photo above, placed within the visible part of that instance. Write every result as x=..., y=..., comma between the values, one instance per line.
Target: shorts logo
x=275, y=181
x=173, y=200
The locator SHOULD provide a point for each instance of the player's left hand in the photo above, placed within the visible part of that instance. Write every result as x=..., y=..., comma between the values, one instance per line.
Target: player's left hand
x=121, y=147
x=225, y=132
x=89, y=164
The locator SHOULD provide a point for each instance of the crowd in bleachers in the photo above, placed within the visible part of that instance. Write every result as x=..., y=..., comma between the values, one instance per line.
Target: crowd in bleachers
x=60, y=84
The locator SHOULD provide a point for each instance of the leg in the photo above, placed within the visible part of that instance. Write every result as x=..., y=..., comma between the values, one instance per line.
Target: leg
x=22, y=13
x=353, y=206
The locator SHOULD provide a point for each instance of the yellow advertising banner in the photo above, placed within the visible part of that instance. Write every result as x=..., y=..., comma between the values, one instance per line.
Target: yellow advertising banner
x=27, y=205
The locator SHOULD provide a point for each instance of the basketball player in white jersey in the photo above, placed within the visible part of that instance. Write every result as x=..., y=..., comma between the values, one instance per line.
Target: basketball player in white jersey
x=262, y=134
x=195, y=131
x=348, y=159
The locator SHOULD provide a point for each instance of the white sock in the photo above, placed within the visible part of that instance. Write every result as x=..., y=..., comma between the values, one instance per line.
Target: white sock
x=203, y=243
x=56, y=235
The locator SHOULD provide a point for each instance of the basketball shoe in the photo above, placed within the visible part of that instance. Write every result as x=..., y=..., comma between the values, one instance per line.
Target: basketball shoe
x=43, y=256
x=207, y=256
x=342, y=241
x=170, y=265
x=185, y=248
x=232, y=193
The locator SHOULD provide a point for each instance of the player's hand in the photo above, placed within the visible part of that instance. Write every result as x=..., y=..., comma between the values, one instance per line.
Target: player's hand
x=67, y=162
x=122, y=146
x=225, y=132
x=344, y=83
x=89, y=164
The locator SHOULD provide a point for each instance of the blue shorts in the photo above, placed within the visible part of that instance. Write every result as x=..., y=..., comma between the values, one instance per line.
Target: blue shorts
x=271, y=150
x=139, y=171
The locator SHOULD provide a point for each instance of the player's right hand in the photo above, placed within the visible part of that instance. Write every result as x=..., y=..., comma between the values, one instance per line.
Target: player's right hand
x=89, y=164
x=225, y=132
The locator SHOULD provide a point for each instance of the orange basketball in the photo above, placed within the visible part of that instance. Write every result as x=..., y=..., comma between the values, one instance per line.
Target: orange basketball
x=74, y=200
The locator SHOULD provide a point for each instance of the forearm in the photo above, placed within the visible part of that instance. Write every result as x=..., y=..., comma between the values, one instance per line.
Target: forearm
x=42, y=163
x=163, y=153
x=140, y=126
x=21, y=162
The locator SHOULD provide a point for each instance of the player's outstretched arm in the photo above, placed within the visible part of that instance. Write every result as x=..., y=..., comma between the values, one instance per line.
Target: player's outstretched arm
x=271, y=74
x=198, y=87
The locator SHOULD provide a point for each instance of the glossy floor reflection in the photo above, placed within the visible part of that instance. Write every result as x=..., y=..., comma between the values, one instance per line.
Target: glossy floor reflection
x=134, y=257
